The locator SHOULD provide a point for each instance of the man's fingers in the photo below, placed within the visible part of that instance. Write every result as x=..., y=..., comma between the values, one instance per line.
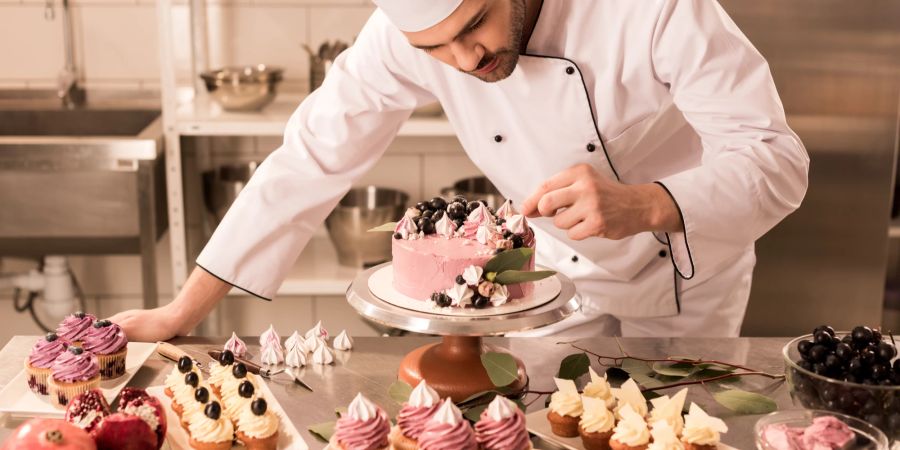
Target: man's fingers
x=553, y=201
x=558, y=181
x=582, y=231
x=567, y=219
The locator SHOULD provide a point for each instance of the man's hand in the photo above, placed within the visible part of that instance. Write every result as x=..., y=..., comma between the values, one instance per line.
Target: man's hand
x=587, y=204
x=148, y=325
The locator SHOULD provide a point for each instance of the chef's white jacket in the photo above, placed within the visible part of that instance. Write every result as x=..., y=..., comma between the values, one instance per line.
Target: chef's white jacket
x=666, y=91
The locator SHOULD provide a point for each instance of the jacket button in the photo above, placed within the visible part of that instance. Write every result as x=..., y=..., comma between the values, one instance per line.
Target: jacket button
x=663, y=253
x=591, y=147
x=498, y=138
x=570, y=70
x=575, y=258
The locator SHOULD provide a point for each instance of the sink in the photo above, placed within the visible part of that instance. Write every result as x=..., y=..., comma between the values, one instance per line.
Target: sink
x=79, y=122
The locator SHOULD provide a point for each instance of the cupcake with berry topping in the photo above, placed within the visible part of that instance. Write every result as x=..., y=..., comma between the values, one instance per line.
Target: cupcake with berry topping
x=701, y=431
x=175, y=378
x=364, y=427
x=565, y=409
x=195, y=405
x=502, y=427
x=631, y=433
x=74, y=371
x=39, y=361
x=107, y=340
x=416, y=412
x=233, y=379
x=74, y=327
x=184, y=393
x=220, y=369
x=211, y=431
x=447, y=430
x=257, y=426
x=236, y=400
x=596, y=424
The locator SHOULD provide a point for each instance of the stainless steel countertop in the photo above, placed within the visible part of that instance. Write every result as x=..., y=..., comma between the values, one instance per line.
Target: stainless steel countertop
x=372, y=366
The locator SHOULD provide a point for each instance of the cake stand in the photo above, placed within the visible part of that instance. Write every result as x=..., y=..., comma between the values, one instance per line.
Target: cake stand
x=453, y=367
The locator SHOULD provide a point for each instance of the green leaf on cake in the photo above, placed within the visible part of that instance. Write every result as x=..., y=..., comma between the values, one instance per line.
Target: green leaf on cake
x=743, y=402
x=322, y=431
x=574, y=366
x=513, y=259
x=390, y=226
x=520, y=276
x=400, y=391
x=501, y=368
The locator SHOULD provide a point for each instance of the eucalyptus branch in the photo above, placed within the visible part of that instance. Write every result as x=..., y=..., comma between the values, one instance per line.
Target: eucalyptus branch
x=707, y=380
x=617, y=360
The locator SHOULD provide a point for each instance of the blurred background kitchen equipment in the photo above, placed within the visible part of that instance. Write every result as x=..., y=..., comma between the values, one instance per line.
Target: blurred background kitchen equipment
x=360, y=210
x=475, y=188
x=247, y=88
x=322, y=59
x=223, y=184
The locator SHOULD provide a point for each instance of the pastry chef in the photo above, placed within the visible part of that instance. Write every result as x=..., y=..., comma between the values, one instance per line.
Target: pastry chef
x=645, y=139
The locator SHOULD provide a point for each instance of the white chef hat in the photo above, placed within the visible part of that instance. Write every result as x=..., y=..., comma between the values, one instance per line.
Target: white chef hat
x=417, y=15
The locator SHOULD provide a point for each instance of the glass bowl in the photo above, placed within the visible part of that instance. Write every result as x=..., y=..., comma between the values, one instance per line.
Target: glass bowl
x=867, y=436
x=875, y=404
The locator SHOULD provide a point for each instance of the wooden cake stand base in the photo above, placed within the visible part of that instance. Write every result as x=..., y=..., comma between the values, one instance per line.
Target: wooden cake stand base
x=454, y=369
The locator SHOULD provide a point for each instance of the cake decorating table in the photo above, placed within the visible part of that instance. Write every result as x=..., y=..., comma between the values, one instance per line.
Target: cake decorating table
x=372, y=366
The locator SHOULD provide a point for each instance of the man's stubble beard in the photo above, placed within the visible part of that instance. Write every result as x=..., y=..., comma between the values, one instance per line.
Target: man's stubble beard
x=508, y=56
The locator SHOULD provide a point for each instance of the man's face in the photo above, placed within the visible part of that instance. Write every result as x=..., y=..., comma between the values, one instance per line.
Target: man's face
x=481, y=38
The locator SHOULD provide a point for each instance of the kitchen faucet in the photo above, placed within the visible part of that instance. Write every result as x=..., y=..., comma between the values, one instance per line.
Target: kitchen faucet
x=68, y=90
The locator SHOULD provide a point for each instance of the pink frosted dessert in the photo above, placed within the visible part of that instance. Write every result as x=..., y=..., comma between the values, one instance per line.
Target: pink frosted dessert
x=364, y=427
x=502, y=427
x=74, y=327
x=825, y=433
x=417, y=411
x=430, y=256
x=447, y=430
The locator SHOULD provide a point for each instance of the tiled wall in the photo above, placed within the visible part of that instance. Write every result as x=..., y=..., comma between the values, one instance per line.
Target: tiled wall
x=117, y=47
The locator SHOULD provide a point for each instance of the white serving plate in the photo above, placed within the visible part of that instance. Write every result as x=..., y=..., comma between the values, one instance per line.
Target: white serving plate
x=538, y=424
x=177, y=438
x=381, y=284
x=18, y=401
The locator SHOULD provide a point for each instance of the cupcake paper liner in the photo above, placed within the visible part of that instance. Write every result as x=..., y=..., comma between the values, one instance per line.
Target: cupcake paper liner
x=113, y=365
x=37, y=378
x=267, y=443
x=62, y=392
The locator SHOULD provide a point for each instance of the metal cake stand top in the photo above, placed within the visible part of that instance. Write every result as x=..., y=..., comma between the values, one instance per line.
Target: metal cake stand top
x=373, y=308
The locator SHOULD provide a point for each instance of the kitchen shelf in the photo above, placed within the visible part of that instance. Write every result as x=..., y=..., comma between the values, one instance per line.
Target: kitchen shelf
x=203, y=117
x=316, y=272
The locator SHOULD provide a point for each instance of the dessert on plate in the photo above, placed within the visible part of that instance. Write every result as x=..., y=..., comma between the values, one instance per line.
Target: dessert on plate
x=211, y=431
x=87, y=410
x=74, y=371
x=423, y=402
x=236, y=400
x=596, y=424
x=257, y=426
x=74, y=327
x=701, y=431
x=184, y=393
x=669, y=410
x=220, y=369
x=108, y=342
x=448, y=430
x=195, y=405
x=825, y=433
x=565, y=409
x=40, y=360
x=664, y=437
x=364, y=427
x=630, y=394
x=599, y=388
x=175, y=378
x=502, y=427
x=235, y=377
x=148, y=408
x=631, y=432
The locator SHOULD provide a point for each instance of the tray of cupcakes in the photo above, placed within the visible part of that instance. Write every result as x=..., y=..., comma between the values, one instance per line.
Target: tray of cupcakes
x=230, y=408
x=84, y=353
x=603, y=418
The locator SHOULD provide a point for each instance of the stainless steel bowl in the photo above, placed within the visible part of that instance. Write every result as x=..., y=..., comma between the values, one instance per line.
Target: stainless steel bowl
x=223, y=184
x=360, y=210
x=475, y=188
x=243, y=88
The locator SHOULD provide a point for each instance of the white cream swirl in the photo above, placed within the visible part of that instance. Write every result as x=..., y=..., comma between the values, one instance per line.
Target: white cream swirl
x=272, y=355
x=460, y=295
x=234, y=403
x=218, y=373
x=669, y=410
x=472, y=275
x=516, y=224
x=317, y=331
x=323, y=355
x=631, y=429
x=445, y=227
x=423, y=396
x=205, y=429
x=258, y=427
x=343, y=341
x=596, y=417
x=294, y=340
x=599, y=388
x=664, y=437
x=406, y=227
x=566, y=401
x=505, y=210
x=701, y=428
x=296, y=356
x=500, y=295
x=501, y=408
x=483, y=235
x=629, y=393
x=447, y=414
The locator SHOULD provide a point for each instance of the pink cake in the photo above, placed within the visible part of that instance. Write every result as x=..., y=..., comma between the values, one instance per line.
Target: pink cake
x=442, y=260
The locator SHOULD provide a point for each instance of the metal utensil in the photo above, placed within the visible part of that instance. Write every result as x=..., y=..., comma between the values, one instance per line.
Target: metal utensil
x=247, y=88
x=360, y=210
x=175, y=353
x=264, y=372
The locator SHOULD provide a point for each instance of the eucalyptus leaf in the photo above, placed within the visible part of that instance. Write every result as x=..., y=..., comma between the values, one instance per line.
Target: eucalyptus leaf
x=513, y=259
x=399, y=391
x=390, y=226
x=616, y=375
x=521, y=276
x=322, y=431
x=574, y=366
x=743, y=402
x=474, y=413
x=650, y=395
x=479, y=398
x=704, y=374
x=520, y=404
x=641, y=372
x=680, y=370
x=717, y=367
x=501, y=368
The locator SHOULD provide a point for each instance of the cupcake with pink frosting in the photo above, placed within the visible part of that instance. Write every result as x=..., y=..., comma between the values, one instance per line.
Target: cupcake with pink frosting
x=107, y=341
x=364, y=427
x=502, y=427
x=40, y=360
x=416, y=412
x=74, y=327
x=447, y=430
x=73, y=372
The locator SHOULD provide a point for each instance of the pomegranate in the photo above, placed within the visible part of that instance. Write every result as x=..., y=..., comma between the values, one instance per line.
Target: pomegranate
x=55, y=434
x=125, y=432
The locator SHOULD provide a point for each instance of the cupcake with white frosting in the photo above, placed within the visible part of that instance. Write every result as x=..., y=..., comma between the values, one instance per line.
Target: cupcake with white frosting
x=257, y=426
x=211, y=431
x=364, y=427
x=565, y=409
x=702, y=431
x=669, y=410
x=448, y=430
x=630, y=394
x=664, y=437
x=596, y=424
x=599, y=388
x=423, y=402
x=502, y=427
x=631, y=433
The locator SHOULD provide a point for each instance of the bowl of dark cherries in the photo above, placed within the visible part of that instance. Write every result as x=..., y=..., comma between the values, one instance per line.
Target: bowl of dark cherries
x=855, y=373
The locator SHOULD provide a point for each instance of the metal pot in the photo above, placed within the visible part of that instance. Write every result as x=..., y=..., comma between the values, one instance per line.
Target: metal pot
x=243, y=88
x=475, y=188
x=223, y=184
x=360, y=210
